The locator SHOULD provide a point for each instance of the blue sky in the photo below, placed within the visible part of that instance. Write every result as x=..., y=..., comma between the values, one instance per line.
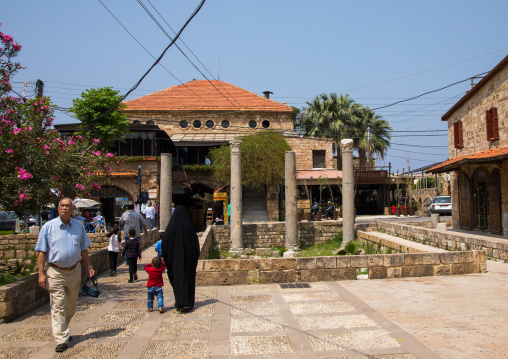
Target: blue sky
x=296, y=49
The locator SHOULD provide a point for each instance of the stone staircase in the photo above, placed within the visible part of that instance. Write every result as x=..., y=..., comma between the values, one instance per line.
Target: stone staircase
x=254, y=204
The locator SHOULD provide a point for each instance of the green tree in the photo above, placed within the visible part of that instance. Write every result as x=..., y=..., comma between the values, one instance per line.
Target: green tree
x=108, y=128
x=379, y=134
x=263, y=157
x=38, y=167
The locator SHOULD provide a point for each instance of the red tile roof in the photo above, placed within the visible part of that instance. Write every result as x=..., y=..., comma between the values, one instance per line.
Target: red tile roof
x=484, y=156
x=204, y=95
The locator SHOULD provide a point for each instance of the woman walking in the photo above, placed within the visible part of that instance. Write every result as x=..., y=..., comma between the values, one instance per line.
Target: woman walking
x=180, y=249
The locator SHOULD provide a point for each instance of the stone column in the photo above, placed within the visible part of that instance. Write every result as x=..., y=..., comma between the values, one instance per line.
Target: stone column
x=166, y=196
x=291, y=194
x=348, y=192
x=235, y=190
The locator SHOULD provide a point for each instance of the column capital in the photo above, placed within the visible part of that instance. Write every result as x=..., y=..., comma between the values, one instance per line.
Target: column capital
x=347, y=144
x=235, y=146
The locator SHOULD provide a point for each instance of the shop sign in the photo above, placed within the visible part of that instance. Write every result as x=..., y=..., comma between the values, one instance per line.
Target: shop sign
x=371, y=176
x=220, y=196
x=152, y=193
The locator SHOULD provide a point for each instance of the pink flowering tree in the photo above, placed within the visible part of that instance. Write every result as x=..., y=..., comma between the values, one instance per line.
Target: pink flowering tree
x=38, y=167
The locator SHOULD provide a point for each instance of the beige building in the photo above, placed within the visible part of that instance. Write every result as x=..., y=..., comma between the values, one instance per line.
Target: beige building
x=478, y=154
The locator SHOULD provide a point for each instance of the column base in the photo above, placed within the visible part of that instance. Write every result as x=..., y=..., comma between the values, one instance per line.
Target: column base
x=291, y=252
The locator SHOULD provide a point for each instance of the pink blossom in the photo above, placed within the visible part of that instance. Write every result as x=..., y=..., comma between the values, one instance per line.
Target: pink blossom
x=22, y=197
x=22, y=174
x=55, y=178
x=79, y=137
x=71, y=142
x=83, y=168
x=109, y=154
x=96, y=140
x=80, y=186
x=9, y=150
x=89, y=194
x=96, y=186
x=90, y=173
x=16, y=47
x=16, y=131
x=97, y=153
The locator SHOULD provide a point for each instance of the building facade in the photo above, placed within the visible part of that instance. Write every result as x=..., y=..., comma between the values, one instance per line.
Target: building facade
x=478, y=154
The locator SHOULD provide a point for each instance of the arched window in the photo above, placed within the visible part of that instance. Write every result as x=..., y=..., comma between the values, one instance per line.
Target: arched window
x=265, y=124
x=225, y=124
x=184, y=124
x=196, y=124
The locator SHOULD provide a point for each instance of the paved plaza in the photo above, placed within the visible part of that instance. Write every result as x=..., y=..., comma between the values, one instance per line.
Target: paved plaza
x=432, y=317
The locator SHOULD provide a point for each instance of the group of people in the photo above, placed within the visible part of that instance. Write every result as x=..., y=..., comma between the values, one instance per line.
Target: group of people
x=63, y=241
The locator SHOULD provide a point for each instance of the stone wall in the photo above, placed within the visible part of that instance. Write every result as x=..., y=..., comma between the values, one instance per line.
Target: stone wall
x=125, y=172
x=303, y=147
x=449, y=240
x=274, y=234
x=315, y=269
x=23, y=296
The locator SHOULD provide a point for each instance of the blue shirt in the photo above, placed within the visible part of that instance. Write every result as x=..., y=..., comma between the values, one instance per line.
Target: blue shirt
x=62, y=243
x=158, y=248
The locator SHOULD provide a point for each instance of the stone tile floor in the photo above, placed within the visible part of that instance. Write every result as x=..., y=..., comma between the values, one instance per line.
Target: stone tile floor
x=262, y=321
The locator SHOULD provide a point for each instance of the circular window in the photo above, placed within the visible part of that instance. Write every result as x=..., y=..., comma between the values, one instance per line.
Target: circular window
x=184, y=124
x=209, y=124
x=196, y=124
x=266, y=124
x=253, y=124
x=225, y=124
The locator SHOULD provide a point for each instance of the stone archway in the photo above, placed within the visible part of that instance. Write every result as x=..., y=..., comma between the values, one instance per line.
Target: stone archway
x=113, y=201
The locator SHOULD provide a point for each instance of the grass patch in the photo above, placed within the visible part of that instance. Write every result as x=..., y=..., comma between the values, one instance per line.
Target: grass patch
x=6, y=232
x=322, y=249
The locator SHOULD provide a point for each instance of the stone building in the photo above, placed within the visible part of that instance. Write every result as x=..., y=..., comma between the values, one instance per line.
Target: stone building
x=478, y=154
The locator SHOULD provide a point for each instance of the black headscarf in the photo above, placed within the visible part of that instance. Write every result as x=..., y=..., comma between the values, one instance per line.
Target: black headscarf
x=180, y=250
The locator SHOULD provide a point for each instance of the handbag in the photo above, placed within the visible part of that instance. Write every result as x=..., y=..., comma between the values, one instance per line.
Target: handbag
x=92, y=291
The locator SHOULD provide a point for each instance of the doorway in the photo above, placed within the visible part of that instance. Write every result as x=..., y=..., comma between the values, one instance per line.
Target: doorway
x=481, y=199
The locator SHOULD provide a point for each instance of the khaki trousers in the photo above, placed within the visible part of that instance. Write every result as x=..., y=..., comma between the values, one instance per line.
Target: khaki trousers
x=63, y=286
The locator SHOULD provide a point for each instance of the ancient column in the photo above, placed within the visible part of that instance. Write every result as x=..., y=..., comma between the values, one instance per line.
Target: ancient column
x=348, y=192
x=291, y=196
x=166, y=197
x=235, y=191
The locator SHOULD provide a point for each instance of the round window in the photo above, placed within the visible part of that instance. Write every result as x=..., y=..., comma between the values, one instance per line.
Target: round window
x=253, y=124
x=266, y=124
x=184, y=124
x=209, y=124
x=225, y=124
x=197, y=124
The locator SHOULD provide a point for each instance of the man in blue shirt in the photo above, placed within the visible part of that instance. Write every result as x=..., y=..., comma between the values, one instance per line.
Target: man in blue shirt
x=61, y=243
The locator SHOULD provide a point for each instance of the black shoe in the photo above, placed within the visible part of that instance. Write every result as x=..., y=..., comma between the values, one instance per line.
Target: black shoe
x=70, y=338
x=111, y=273
x=61, y=348
x=130, y=281
x=135, y=277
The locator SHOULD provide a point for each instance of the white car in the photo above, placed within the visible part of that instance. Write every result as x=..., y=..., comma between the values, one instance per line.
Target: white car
x=441, y=205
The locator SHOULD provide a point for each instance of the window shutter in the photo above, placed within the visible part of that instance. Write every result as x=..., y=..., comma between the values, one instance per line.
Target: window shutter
x=495, y=126
x=456, y=134
x=488, y=121
x=461, y=143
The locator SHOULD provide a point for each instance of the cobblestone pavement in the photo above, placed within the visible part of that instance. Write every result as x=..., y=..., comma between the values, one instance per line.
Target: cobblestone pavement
x=320, y=320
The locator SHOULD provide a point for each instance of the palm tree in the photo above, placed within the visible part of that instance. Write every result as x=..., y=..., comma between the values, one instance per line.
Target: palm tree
x=379, y=134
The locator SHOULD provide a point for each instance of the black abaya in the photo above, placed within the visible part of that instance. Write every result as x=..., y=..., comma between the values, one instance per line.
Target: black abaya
x=180, y=250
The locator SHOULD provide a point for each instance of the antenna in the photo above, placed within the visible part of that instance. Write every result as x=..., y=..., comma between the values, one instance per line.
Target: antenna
x=218, y=75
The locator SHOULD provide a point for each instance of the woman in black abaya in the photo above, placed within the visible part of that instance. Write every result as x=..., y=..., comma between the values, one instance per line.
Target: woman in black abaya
x=180, y=250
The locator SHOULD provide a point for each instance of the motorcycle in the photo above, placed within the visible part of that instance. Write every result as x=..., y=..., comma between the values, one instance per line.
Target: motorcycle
x=326, y=211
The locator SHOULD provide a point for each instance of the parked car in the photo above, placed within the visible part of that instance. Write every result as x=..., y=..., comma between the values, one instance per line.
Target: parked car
x=441, y=205
x=7, y=221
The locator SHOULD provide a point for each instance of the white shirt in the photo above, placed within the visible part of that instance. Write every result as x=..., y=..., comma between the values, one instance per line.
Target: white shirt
x=150, y=212
x=113, y=244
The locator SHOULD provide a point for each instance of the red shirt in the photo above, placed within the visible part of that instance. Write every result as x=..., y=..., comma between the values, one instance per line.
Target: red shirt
x=155, y=275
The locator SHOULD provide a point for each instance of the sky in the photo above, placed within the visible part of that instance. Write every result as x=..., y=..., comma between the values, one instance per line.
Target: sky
x=378, y=52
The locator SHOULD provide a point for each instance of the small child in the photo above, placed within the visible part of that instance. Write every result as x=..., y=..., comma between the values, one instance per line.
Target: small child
x=133, y=250
x=114, y=247
x=158, y=246
x=155, y=283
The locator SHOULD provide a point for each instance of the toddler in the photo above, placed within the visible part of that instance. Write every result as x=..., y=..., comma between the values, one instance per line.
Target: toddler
x=113, y=249
x=155, y=283
x=133, y=250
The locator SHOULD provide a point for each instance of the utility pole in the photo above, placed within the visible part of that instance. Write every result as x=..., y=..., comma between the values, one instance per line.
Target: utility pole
x=368, y=146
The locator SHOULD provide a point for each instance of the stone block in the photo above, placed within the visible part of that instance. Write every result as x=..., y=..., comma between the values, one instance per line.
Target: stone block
x=480, y=256
x=253, y=276
x=201, y=266
x=423, y=270
x=213, y=265
x=314, y=275
x=412, y=259
x=444, y=269
x=343, y=274
x=305, y=263
x=263, y=252
x=449, y=257
x=230, y=265
x=207, y=278
x=248, y=251
x=378, y=272
x=393, y=260
x=229, y=278
x=430, y=258
x=277, y=276
x=466, y=257
x=343, y=261
x=263, y=264
x=247, y=264
x=376, y=260
x=407, y=271
x=465, y=268
x=394, y=272
x=326, y=262
x=359, y=261
x=283, y=263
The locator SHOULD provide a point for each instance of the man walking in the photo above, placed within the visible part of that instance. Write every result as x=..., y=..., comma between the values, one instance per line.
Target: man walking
x=61, y=243
x=132, y=219
x=150, y=213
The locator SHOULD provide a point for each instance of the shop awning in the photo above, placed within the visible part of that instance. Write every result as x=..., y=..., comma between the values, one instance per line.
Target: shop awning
x=314, y=176
x=202, y=139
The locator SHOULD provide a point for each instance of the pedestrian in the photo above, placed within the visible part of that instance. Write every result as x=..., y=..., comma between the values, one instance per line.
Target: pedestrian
x=132, y=250
x=158, y=245
x=150, y=213
x=155, y=283
x=229, y=213
x=61, y=243
x=180, y=249
x=115, y=245
x=132, y=219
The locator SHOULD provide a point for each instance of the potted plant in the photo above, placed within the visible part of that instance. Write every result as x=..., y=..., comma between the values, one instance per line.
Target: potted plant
x=398, y=209
x=308, y=215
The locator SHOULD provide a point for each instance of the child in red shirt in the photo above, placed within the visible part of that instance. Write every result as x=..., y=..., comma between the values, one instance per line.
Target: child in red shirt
x=155, y=283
